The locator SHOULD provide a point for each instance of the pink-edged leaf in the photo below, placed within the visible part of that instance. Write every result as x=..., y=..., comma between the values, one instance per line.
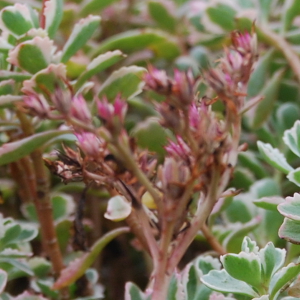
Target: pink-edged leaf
x=13, y=151
x=28, y=296
x=290, y=208
x=269, y=203
x=78, y=267
x=53, y=14
x=289, y=230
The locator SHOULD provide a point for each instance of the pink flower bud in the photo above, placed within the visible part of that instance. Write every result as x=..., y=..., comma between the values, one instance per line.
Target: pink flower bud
x=158, y=81
x=89, y=143
x=62, y=99
x=79, y=109
x=37, y=105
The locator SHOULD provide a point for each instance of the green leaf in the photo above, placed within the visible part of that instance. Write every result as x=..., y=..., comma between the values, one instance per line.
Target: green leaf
x=63, y=206
x=13, y=151
x=291, y=207
x=269, y=203
x=18, y=77
x=265, y=9
x=294, y=176
x=249, y=160
x=99, y=64
x=81, y=33
x=160, y=14
x=274, y=157
x=222, y=15
x=261, y=112
x=173, y=289
x=17, y=19
x=53, y=15
x=234, y=240
x=3, y=280
x=150, y=135
x=40, y=266
x=11, y=234
x=291, y=138
x=127, y=79
x=244, y=266
x=29, y=296
x=8, y=100
x=33, y=55
x=221, y=281
x=289, y=230
x=291, y=9
x=78, y=267
x=63, y=230
x=19, y=265
x=265, y=187
x=160, y=43
x=249, y=246
x=272, y=259
x=281, y=278
x=286, y=115
x=93, y=6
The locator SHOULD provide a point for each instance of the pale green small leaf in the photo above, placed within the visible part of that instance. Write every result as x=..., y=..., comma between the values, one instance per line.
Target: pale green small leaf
x=18, y=77
x=78, y=267
x=93, y=6
x=161, y=15
x=291, y=9
x=272, y=259
x=129, y=81
x=221, y=281
x=13, y=151
x=3, y=280
x=21, y=266
x=222, y=15
x=269, y=203
x=160, y=43
x=249, y=246
x=40, y=266
x=290, y=208
x=289, y=230
x=53, y=13
x=99, y=64
x=132, y=292
x=81, y=33
x=261, y=112
x=281, y=278
x=274, y=157
x=244, y=266
x=291, y=138
x=294, y=176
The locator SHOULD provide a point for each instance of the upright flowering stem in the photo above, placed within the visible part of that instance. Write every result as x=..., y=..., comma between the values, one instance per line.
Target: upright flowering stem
x=42, y=16
x=42, y=201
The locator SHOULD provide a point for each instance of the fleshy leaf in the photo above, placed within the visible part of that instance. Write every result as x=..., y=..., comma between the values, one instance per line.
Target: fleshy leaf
x=13, y=151
x=4, y=75
x=286, y=116
x=33, y=55
x=99, y=64
x=118, y=209
x=160, y=43
x=249, y=246
x=289, y=230
x=281, y=278
x=291, y=207
x=261, y=112
x=269, y=203
x=274, y=157
x=234, y=240
x=28, y=296
x=221, y=281
x=3, y=280
x=291, y=138
x=161, y=15
x=40, y=266
x=127, y=79
x=222, y=15
x=8, y=100
x=53, y=15
x=243, y=266
x=272, y=259
x=81, y=33
x=78, y=267
x=291, y=9
x=17, y=19
x=132, y=292
x=93, y=6
x=150, y=135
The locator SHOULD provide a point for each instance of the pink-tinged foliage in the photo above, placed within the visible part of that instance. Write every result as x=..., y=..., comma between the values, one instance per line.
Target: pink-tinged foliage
x=89, y=143
x=29, y=296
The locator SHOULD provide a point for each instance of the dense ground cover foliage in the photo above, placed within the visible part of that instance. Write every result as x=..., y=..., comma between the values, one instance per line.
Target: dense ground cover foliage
x=149, y=149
